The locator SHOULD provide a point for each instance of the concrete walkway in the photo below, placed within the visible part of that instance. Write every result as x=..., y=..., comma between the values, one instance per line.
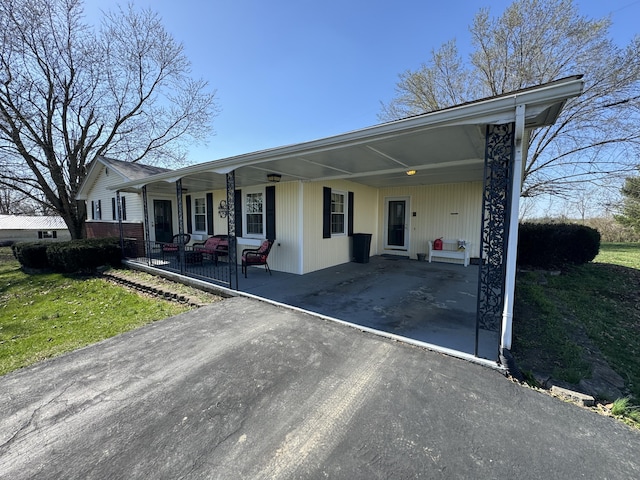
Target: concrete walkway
x=245, y=390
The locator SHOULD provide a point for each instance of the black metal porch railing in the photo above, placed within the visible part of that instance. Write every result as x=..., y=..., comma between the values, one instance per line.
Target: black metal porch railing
x=196, y=264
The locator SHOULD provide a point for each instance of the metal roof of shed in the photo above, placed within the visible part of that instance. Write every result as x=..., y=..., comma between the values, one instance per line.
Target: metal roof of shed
x=23, y=222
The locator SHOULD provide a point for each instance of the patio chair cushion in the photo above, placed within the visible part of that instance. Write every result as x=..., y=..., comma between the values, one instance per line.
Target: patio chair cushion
x=259, y=256
x=175, y=243
x=213, y=245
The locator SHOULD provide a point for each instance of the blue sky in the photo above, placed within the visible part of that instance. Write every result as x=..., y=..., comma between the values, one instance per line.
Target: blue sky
x=298, y=70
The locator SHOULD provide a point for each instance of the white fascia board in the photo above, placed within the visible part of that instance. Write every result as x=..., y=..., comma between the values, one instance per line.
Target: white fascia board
x=493, y=110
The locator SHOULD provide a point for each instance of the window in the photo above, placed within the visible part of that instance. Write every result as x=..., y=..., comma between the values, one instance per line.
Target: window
x=254, y=208
x=337, y=213
x=96, y=210
x=200, y=215
x=114, y=208
x=48, y=234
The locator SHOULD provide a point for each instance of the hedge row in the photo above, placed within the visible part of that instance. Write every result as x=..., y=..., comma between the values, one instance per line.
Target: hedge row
x=68, y=257
x=544, y=245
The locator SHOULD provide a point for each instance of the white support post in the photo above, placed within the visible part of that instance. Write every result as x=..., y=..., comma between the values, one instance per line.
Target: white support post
x=512, y=245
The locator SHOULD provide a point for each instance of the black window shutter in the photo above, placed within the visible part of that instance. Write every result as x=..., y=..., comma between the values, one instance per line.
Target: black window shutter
x=238, y=212
x=350, y=215
x=209, y=213
x=93, y=210
x=270, y=198
x=326, y=212
x=39, y=234
x=123, y=207
x=99, y=209
x=113, y=208
x=189, y=219
x=55, y=234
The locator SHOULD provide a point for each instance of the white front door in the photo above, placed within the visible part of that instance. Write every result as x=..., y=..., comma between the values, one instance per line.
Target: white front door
x=396, y=224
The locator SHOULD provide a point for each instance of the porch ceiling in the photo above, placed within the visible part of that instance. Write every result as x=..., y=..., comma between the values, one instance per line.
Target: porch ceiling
x=446, y=146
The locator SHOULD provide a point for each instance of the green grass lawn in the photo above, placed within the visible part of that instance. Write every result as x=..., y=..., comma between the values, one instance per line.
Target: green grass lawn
x=623, y=254
x=44, y=315
x=599, y=300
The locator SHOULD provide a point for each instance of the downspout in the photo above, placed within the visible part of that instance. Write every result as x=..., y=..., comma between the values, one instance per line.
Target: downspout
x=301, y=252
x=512, y=243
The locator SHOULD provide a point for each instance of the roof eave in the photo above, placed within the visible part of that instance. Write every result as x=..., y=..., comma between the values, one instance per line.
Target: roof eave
x=544, y=104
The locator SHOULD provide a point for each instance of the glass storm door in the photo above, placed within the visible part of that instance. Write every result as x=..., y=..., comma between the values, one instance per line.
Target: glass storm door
x=162, y=219
x=397, y=223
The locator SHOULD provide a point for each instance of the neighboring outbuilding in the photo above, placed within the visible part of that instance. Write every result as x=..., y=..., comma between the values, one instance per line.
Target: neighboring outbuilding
x=23, y=228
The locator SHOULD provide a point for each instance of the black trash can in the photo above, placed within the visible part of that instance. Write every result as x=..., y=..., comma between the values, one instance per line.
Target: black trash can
x=361, y=247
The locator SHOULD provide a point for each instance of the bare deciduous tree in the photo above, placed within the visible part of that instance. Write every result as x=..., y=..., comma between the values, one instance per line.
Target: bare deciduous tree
x=70, y=91
x=534, y=42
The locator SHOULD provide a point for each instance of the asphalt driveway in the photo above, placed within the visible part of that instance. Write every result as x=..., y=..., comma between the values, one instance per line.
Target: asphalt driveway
x=243, y=389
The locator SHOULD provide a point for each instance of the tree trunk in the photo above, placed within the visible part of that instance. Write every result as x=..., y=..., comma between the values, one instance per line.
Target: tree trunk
x=74, y=219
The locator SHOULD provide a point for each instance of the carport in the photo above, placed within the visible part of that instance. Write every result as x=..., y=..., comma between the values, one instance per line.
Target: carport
x=478, y=143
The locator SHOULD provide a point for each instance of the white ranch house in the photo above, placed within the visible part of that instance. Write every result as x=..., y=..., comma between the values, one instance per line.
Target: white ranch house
x=453, y=174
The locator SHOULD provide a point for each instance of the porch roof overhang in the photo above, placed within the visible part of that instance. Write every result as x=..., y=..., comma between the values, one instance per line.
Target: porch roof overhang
x=445, y=146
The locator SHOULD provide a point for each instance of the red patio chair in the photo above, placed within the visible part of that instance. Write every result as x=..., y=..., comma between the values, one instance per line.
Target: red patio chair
x=173, y=247
x=256, y=256
x=217, y=246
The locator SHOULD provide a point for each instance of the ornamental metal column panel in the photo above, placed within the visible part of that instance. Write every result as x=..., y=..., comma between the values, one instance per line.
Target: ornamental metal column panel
x=496, y=201
x=231, y=229
x=180, y=226
x=147, y=238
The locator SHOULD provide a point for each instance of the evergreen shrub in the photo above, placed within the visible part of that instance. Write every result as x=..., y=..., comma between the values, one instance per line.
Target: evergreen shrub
x=83, y=255
x=31, y=254
x=69, y=257
x=543, y=245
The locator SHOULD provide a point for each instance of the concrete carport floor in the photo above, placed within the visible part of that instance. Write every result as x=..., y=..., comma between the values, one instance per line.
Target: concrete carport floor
x=433, y=303
x=245, y=389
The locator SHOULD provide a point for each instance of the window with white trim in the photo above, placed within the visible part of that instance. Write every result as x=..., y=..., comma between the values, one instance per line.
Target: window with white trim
x=96, y=210
x=338, y=209
x=200, y=215
x=254, y=214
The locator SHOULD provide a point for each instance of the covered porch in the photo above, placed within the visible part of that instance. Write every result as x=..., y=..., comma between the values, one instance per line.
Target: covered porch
x=431, y=304
x=454, y=173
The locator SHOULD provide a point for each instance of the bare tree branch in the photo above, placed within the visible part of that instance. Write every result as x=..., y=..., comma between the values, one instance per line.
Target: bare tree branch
x=534, y=42
x=70, y=91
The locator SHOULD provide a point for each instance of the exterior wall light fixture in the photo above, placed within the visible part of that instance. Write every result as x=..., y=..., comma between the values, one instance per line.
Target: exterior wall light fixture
x=274, y=177
x=410, y=172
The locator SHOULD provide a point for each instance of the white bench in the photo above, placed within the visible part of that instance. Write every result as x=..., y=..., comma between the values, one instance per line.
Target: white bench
x=451, y=249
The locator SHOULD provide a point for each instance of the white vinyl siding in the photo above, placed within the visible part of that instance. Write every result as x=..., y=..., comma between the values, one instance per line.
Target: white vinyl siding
x=447, y=210
x=322, y=252
x=100, y=191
